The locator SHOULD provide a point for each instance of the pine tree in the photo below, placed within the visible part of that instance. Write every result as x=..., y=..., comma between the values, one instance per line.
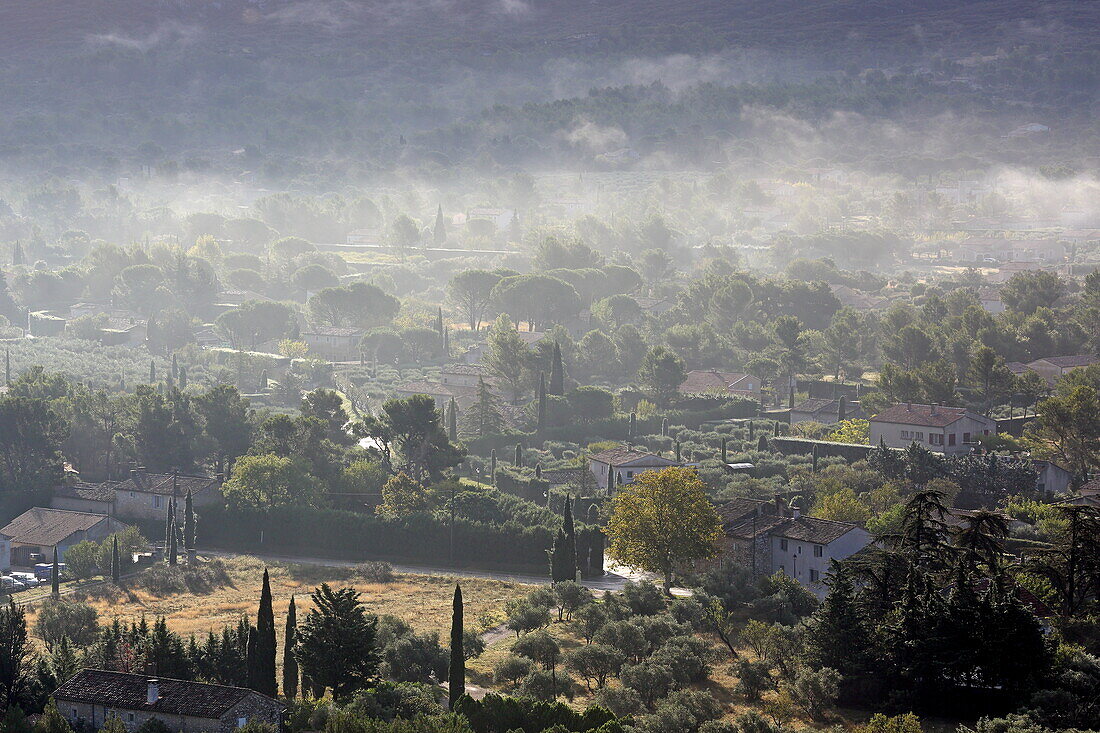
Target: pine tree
x=557, y=373
x=55, y=584
x=484, y=416
x=290, y=664
x=456, y=678
x=839, y=634
x=116, y=564
x=190, y=522
x=540, y=420
x=452, y=421
x=265, y=642
x=439, y=233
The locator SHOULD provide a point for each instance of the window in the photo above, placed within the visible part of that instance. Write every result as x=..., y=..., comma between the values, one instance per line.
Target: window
x=74, y=713
x=156, y=501
x=818, y=550
x=935, y=439
x=919, y=436
x=813, y=575
x=630, y=474
x=131, y=495
x=966, y=437
x=951, y=439
x=800, y=549
x=905, y=435
x=783, y=545
x=129, y=717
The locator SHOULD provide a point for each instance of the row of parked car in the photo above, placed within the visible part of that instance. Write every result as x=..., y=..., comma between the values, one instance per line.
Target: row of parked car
x=14, y=582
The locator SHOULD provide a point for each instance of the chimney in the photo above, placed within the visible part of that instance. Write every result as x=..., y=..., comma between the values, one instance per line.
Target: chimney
x=796, y=512
x=932, y=409
x=909, y=406
x=154, y=692
x=780, y=506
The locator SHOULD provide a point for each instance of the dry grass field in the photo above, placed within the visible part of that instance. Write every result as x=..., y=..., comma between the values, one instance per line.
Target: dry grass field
x=423, y=601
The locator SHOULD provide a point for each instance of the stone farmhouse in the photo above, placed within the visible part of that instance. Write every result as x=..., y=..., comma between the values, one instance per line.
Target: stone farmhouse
x=940, y=429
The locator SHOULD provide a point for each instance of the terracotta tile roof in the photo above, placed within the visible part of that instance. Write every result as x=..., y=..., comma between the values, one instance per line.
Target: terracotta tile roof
x=734, y=510
x=123, y=691
x=926, y=415
x=88, y=492
x=813, y=529
x=1077, y=360
x=624, y=455
x=700, y=381
x=49, y=527
x=161, y=483
x=438, y=388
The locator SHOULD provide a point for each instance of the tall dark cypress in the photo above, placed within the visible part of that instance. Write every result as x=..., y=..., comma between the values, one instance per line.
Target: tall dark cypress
x=493, y=466
x=251, y=663
x=724, y=451
x=452, y=421
x=188, y=522
x=540, y=422
x=439, y=321
x=265, y=642
x=169, y=520
x=569, y=561
x=439, y=232
x=7, y=366
x=632, y=426
x=519, y=456
x=456, y=678
x=55, y=584
x=152, y=372
x=557, y=373
x=290, y=663
x=173, y=546
x=116, y=564
x=610, y=478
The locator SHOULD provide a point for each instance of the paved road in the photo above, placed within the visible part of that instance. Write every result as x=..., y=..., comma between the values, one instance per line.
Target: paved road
x=614, y=580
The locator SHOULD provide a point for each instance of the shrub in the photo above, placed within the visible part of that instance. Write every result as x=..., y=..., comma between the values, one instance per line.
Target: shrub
x=165, y=580
x=619, y=700
x=643, y=599
x=571, y=596
x=753, y=678
x=814, y=690
x=594, y=663
x=658, y=629
x=754, y=722
x=82, y=559
x=545, y=686
x=58, y=618
x=624, y=637
x=687, y=656
x=540, y=647
x=524, y=617
x=512, y=669
x=375, y=571
x=472, y=644
x=650, y=680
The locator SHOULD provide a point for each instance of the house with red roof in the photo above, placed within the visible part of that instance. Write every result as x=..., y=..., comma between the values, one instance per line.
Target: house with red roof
x=712, y=383
x=936, y=427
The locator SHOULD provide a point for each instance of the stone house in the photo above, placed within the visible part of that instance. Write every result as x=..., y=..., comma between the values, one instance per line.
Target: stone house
x=334, y=344
x=1053, y=368
x=826, y=412
x=770, y=537
x=712, y=383
x=145, y=495
x=93, y=695
x=85, y=497
x=940, y=429
x=627, y=462
x=32, y=537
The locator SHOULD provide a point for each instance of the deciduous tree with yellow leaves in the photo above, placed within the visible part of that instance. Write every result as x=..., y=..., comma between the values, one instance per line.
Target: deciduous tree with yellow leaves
x=661, y=521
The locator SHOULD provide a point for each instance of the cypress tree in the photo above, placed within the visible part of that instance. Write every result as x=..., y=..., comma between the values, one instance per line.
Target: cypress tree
x=677, y=445
x=813, y=455
x=610, y=478
x=762, y=445
x=439, y=321
x=263, y=379
x=776, y=428
x=290, y=664
x=116, y=564
x=567, y=526
x=452, y=421
x=252, y=672
x=183, y=377
x=752, y=430
x=664, y=427
x=175, y=367
x=493, y=466
x=17, y=257
x=265, y=641
x=7, y=366
x=173, y=547
x=189, y=522
x=519, y=455
x=456, y=678
x=152, y=372
x=724, y=450
x=540, y=422
x=446, y=343
x=557, y=373
x=632, y=428
x=439, y=233
x=557, y=558
x=538, y=470
x=55, y=584
x=169, y=520
x=842, y=408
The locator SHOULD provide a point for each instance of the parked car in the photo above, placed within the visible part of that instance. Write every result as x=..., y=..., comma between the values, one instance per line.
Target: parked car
x=11, y=584
x=27, y=579
x=44, y=570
